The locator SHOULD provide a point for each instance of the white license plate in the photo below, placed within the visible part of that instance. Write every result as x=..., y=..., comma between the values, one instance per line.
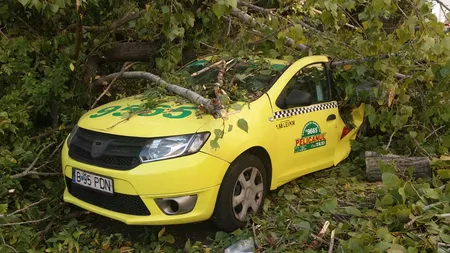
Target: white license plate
x=93, y=181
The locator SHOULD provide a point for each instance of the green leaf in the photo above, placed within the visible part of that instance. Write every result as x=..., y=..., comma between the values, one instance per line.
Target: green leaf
x=289, y=196
x=72, y=67
x=232, y=3
x=444, y=173
x=161, y=232
x=446, y=141
x=387, y=200
x=402, y=192
x=353, y=211
x=330, y=205
x=445, y=237
x=24, y=2
x=3, y=208
x=165, y=9
x=431, y=193
x=230, y=127
x=53, y=7
x=413, y=134
x=170, y=239
x=219, y=9
x=390, y=179
x=242, y=124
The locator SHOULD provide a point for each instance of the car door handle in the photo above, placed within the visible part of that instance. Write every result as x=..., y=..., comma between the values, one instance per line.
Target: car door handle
x=331, y=117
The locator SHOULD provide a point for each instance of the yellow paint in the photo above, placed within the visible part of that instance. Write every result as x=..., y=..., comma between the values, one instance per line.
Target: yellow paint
x=202, y=173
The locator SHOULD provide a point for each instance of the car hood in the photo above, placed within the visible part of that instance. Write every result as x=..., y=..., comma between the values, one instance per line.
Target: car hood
x=166, y=119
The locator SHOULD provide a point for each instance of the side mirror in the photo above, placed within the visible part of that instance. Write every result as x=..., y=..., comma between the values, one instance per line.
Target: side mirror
x=298, y=98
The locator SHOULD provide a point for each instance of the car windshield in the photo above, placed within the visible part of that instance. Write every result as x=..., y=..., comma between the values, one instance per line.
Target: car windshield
x=240, y=78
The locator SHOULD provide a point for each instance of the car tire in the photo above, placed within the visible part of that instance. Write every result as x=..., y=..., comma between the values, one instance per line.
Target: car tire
x=237, y=186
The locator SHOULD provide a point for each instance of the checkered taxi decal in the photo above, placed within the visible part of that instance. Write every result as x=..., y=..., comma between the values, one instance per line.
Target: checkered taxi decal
x=303, y=110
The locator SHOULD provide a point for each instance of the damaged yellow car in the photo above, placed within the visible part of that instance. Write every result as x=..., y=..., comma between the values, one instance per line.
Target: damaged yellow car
x=169, y=166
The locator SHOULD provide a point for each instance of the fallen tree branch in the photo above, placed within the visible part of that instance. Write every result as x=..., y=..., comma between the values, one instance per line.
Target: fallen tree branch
x=186, y=93
x=27, y=207
x=49, y=132
x=25, y=222
x=28, y=170
x=116, y=24
x=125, y=67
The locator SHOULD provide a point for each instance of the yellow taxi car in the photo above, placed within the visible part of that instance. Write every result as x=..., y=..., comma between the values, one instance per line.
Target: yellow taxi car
x=160, y=167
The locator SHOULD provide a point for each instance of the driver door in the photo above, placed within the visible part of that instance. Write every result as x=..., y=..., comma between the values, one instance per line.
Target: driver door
x=304, y=118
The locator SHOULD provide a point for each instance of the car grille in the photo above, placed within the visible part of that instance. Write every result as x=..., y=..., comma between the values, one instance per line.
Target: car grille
x=118, y=202
x=122, y=152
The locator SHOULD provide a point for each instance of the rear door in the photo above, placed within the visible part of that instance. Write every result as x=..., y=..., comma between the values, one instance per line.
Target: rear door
x=306, y=134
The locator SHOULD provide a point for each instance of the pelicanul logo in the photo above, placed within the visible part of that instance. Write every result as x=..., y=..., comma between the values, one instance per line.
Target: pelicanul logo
x=312, y=137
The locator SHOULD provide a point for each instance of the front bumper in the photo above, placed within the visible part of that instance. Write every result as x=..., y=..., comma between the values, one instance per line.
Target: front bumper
x=199, y=174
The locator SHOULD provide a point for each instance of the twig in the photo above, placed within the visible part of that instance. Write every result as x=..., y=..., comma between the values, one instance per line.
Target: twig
x=293, y=208
x=444, y=215
x=49, y=132
x=314, y=244
x=56, y=149
x=28, y=170
x=255, y=240
x=1, y=32
x=25, y=222
x=203, y=70
x=330, y=249
x=27, y=207
x=442, y=4
x=434, y=131
x=426, y=208
x=125, y=67
x=390, y=140
x=9, y=246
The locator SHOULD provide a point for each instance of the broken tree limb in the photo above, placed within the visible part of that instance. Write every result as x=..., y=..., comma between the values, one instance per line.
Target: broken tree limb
x=125, y=67
x=289, y=42
x=421, y=165
x=25, y=208
x=186, y=93
x=28, y=170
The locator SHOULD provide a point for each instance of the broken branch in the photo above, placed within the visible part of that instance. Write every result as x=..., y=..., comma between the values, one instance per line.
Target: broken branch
x=27, y=207
x=186, y=93
x=125, y=67
x=28, y=170
x=25, y=222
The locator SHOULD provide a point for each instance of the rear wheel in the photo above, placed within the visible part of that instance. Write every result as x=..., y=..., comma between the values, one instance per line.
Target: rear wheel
x=241, y=194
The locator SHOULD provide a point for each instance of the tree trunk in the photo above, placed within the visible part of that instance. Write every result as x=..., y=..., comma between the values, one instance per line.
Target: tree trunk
x=421, y=165
x=130, y=51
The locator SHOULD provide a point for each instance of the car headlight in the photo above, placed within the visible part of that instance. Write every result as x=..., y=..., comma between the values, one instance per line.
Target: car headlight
x=72, y=134
x=168, y=147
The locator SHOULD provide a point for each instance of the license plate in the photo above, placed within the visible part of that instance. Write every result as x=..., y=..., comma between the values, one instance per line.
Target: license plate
x=93, y=181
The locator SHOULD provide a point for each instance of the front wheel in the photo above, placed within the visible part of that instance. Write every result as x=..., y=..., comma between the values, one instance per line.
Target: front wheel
x=241, y=194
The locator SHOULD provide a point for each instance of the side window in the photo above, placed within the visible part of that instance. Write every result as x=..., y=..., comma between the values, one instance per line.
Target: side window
x=312, y=79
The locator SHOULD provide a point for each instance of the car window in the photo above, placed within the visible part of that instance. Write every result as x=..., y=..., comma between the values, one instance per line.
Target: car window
x=254, y=79
x=312, y=79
